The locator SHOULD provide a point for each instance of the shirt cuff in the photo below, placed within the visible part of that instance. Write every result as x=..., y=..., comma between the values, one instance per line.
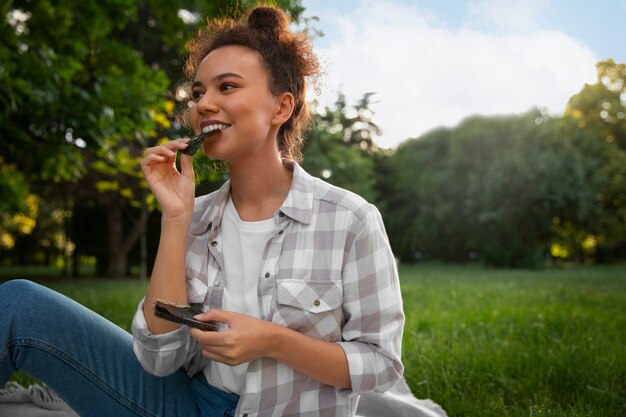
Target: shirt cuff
x=164, y=342
x=368, y=369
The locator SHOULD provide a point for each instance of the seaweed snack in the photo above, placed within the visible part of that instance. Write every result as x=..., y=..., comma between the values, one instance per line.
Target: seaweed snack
x=183, y=315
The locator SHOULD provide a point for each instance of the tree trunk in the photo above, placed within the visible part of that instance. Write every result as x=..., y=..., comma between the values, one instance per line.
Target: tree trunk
x=120, y=245
x=117, y=264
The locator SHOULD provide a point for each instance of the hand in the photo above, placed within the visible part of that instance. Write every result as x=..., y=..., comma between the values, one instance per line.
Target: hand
x=175, y=191
x=247, y=338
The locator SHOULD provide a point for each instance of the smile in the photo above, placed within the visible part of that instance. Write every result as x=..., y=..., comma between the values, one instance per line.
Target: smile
x=213, y=128
x=207, y=131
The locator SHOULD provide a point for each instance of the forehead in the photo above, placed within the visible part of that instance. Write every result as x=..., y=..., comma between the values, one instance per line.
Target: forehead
x=231, y=59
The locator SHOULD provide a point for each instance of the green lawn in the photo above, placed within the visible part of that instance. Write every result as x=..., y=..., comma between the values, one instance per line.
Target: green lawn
x=486, y=342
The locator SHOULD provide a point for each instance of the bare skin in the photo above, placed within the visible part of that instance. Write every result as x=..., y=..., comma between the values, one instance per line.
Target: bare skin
x=231, y=89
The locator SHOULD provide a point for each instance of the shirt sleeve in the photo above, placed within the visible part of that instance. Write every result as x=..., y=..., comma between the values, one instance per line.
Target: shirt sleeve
x=372, y=333
x=163, y=354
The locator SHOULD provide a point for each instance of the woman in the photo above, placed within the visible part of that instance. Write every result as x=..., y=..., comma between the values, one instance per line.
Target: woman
x=299, y=272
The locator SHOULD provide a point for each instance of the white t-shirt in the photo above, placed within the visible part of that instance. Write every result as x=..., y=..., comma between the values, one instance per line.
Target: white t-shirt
x=243, y=243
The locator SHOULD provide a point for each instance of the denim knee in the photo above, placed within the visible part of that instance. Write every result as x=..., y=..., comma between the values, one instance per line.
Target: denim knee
x=18, y=296
x=17, y=285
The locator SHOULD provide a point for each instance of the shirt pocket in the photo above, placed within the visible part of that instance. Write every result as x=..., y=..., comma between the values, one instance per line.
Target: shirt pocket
x=310, y=307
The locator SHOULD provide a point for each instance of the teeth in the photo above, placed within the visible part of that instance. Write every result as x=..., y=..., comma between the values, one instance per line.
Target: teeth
x=211, y=128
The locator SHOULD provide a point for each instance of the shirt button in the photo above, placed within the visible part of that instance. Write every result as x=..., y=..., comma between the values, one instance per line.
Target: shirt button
x=216, y=283
x=316, y=303
x=267, y=275
x=214, y=243
x=245, y=415
x=281, y=214
x=280, y=233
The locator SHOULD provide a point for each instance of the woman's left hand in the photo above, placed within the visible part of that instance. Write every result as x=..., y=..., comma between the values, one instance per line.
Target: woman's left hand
x=246, y=338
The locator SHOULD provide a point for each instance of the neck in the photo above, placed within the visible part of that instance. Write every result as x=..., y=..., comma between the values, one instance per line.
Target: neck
x=259, y=187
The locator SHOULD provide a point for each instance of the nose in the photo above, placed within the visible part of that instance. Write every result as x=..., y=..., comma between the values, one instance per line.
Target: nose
x=207, y=104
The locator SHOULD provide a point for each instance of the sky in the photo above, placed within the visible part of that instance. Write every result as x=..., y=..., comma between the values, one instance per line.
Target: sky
x=432, y=63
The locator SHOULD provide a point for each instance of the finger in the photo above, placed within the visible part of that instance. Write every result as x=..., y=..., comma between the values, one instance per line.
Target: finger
x=175, y=145
x=169, y=148
x=152, y=159
x=219, y=357
x=208, y=340
x=216, y=315
x=161, y=150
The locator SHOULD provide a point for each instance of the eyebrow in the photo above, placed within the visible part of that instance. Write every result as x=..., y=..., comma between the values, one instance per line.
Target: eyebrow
x=219, y=77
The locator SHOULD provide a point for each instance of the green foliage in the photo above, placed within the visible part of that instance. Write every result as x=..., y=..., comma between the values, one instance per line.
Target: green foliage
x=515, y=191
x=601, y=107
x=595, y=119
x=85, y=88
x=13, y=189
x=490, y=187
x=340, y=147
x=18, y=207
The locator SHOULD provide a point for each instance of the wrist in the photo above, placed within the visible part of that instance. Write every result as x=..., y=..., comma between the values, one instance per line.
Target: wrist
x=175, y=228
x=179, y=220
x=274, y=341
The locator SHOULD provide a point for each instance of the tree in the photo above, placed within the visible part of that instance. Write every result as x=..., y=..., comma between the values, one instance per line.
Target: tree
x=18, y=207
x=488, y=188
x=601, y=107
x=84, y=88
x=341, y=149
x=595, y=121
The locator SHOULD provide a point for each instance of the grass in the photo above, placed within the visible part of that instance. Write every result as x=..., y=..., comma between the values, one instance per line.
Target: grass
x=485, y=342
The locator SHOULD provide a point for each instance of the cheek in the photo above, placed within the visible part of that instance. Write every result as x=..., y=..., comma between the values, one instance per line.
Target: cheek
x=244, y=110
x=194, y=117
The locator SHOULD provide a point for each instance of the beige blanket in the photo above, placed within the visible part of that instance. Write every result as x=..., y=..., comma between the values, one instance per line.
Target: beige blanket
x=41, y=401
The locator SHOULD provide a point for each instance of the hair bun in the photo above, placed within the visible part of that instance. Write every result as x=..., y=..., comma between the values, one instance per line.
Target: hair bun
x=268, y=20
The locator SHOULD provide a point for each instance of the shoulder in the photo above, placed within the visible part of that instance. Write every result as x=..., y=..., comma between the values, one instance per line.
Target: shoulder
x=330, y=198
x=327, y=198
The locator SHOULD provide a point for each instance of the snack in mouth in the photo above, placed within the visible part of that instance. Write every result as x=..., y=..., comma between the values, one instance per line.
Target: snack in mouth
x=196, y=142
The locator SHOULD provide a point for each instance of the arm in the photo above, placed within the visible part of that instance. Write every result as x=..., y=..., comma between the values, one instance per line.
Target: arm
x=162, y=347
x=175, y=193
x=167, y=281
x=372, y=333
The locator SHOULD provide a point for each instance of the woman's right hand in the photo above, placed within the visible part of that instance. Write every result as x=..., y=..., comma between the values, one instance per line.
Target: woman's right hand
x=175, y=191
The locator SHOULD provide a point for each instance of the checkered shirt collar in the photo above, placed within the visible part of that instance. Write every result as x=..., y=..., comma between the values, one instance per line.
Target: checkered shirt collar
x=298, y=205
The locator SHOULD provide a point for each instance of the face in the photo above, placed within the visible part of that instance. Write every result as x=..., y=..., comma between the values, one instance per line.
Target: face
x=231, y=89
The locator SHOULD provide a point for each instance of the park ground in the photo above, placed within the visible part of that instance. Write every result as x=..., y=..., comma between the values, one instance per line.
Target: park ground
x=479, y=341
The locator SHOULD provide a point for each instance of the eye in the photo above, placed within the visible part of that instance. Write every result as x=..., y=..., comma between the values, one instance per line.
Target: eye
x=196, y=95
x=227, y=86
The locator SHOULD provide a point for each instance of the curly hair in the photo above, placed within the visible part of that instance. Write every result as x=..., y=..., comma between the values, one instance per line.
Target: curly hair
x=287, y=57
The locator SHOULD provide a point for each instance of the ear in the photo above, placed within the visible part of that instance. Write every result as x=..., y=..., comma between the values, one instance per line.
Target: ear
x=284, y=108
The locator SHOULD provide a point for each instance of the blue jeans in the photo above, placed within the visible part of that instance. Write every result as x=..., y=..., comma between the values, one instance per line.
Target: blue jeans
x=89, y=361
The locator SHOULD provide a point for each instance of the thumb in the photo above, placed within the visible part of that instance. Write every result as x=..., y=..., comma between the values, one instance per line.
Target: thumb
x=186, y=166
x=214, y=315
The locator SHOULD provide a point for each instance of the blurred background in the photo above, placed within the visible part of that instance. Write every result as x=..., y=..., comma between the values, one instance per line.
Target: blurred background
x=491, y=134
x=484, y=131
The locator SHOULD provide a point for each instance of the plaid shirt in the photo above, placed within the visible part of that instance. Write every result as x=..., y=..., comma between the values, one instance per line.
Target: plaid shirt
x=328, y=272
